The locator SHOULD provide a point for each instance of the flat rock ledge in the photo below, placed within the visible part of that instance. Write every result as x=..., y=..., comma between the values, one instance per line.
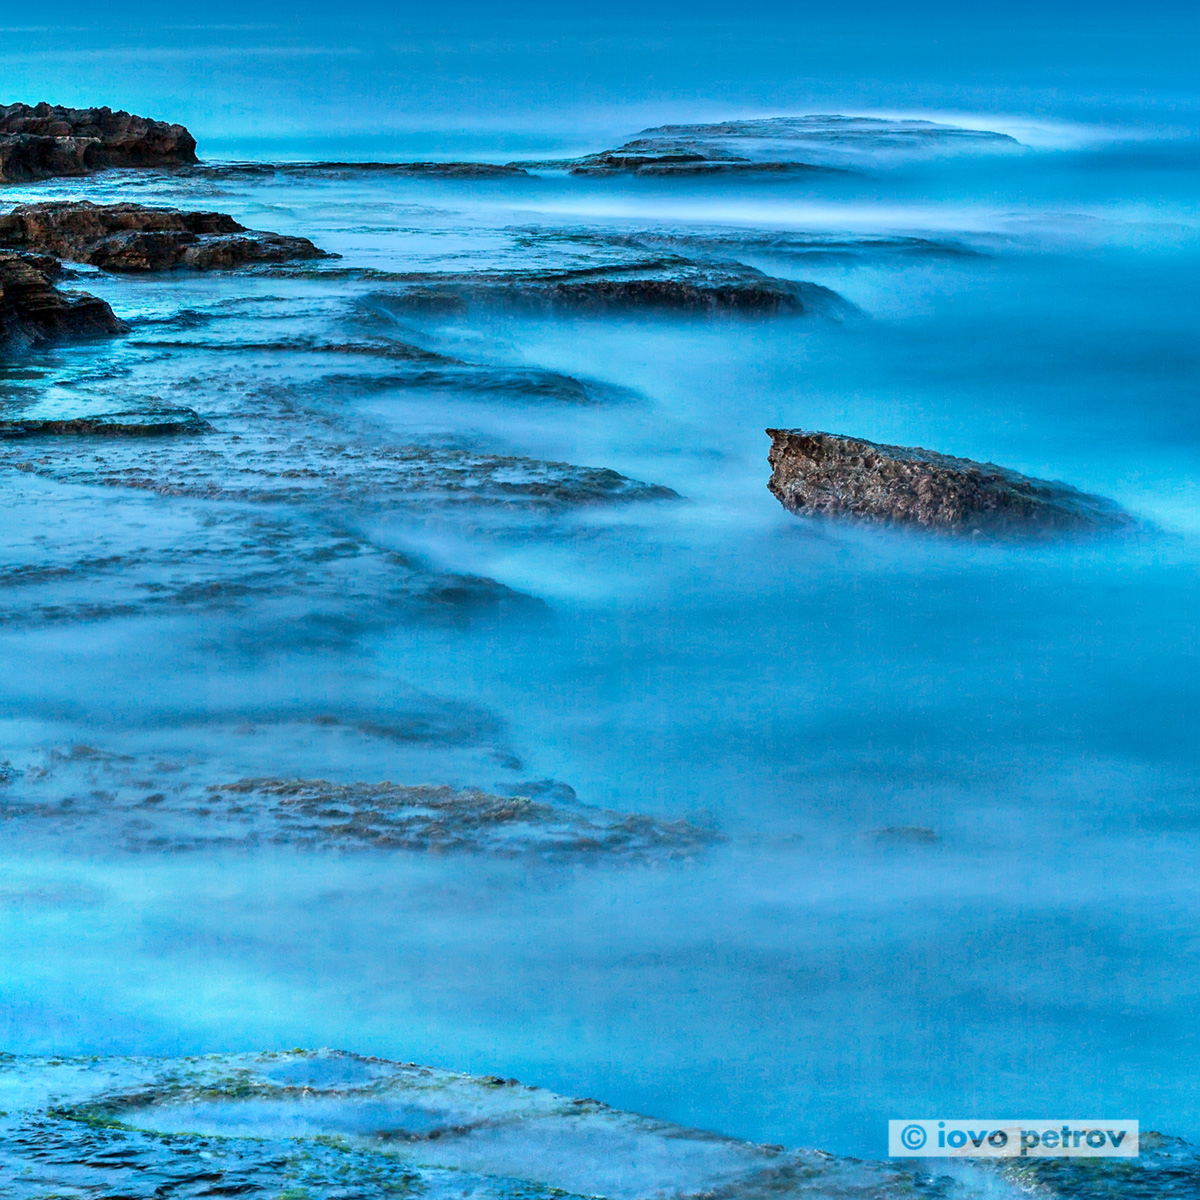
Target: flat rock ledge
x=682, y=287
x=33, y=310
x=44, y=141
x=328, y=1125
x=135, y=238
x=825, y=474
x=159, y=422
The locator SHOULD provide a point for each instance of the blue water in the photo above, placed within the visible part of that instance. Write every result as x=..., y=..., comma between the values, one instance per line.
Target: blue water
x=798, y=685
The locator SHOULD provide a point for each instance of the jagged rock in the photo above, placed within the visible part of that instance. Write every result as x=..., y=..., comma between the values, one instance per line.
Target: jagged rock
x=824, y=474
x=147, y=423
x=132, y=237
x=24, y=157
x=43, y=141
x=33, y=310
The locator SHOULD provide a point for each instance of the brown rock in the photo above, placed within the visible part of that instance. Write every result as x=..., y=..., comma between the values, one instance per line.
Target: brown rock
x=669, y=286
x=155, y=422
x=42, y=141
x=824, y=474
x=33, y=310
x=132, y=237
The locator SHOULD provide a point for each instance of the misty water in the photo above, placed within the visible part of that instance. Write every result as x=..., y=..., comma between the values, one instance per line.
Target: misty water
x=946, y=787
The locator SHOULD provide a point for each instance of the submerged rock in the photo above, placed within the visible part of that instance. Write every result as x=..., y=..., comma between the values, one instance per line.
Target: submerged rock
x=903, y=835
x=43, y=141
x=825, y=474
x=448, y=170
x=672, y=285
x=778, y=145
x=133, y=237
x=33, y=310
x=144, y=423
x=327, y=1125
x=148, y=805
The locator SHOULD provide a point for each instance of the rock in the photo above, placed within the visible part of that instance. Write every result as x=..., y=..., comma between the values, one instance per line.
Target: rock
x=105, y=797
x=327, y=1125
x=779, y=144
x=132, y=237
x=903, y=835
x=682, y=163
x=452, y=170
x=824, y=474
x=43, y=141
x=679, y=286
x=147, y=423
x=24, y=157
x=33, y=310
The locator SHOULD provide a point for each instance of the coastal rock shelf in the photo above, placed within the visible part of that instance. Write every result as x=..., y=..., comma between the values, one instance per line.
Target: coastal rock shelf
x=825, y=474
x=34, y=310
x=436, y=170
x=145, y=423
x=44, y=141
x=135, y=238
x=672, y=286
x=327, y=1125
x=152, y=805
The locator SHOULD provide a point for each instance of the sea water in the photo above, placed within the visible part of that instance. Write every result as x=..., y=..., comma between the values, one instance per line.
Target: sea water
x=955, y=780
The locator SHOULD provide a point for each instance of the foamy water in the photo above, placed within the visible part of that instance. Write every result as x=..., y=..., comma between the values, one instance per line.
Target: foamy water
x=798, y=687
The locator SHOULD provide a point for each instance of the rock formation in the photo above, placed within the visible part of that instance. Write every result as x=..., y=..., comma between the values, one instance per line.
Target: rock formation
x=675, y=285
x=33, y=310
x=824, y=474
x=156, y=422
x=43, y=141
x=446, y=170
x=131, y=237
x=778, y=144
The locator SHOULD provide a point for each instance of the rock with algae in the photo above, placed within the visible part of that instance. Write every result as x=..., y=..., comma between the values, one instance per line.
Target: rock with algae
x=326, y=1125
x=332, y=1126
x=140, y=804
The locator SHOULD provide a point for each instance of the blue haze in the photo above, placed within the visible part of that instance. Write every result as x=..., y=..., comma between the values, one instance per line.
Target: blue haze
x=799, y=685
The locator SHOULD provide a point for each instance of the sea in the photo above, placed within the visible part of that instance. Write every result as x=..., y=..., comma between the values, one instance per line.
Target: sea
x=876, y=823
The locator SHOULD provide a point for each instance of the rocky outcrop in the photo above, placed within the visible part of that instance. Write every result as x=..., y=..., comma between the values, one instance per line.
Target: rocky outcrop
x=33, y=310
x=157, y=422
x=43, y=141
x=132, y=237
x=824, y=474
